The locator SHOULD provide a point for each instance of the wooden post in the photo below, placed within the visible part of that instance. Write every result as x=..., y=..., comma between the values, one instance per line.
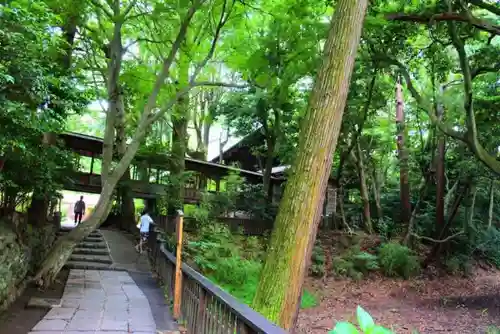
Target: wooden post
x=178, y=264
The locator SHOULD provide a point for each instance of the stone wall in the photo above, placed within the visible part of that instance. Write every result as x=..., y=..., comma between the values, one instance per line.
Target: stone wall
x=18, y=260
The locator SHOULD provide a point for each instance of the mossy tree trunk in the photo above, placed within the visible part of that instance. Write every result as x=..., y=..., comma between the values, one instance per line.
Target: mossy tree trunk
x=280, y=287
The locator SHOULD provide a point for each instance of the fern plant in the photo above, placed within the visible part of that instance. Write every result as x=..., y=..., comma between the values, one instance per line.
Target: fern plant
x=365, y=323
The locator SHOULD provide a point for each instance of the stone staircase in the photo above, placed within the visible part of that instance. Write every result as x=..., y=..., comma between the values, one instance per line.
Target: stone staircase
x=91, y=254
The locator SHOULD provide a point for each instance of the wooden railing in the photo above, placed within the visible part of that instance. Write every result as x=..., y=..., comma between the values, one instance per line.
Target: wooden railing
x=205, y=308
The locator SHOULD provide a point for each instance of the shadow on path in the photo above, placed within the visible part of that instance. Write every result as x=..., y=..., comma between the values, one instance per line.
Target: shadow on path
x=125, y=257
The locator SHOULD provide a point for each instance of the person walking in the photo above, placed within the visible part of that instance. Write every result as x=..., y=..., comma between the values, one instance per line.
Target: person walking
x=144, y=225
x=79, y=210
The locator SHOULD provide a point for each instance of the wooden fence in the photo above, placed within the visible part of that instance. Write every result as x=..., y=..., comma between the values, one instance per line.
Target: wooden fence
x=205, y=308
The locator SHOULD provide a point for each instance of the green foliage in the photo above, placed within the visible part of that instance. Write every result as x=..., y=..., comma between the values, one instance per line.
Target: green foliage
x=252, y=199
x=318, y=261
x=354, y=263
x=398, y=260
x=36, y=95
x=488, y=246
x=231, y=260
x=308, y=300
x=365, y=323
x=458, y=264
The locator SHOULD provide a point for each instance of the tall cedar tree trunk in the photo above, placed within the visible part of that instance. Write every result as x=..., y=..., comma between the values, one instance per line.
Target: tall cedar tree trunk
x=64, y=246
x=179, y=139
x=440, y=180
x=363, y=187
x=280, y=286
x=403, y=158
x=492, y=202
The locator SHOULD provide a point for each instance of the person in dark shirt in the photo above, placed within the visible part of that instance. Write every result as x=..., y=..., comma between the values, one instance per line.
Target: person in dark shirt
x=79, y=210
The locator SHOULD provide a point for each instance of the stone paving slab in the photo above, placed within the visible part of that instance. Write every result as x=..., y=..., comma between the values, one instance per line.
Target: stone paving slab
x=99, y=302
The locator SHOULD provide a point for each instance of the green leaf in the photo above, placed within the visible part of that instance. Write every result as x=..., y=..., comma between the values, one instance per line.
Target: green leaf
x=344, y=328
x=378, y=330
x=365, y=320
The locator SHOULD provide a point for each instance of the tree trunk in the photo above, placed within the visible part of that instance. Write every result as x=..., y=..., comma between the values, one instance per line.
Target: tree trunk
x=180, y=120
x=342, y=211
x=61, y=251
x=128, y=218
x=440, y=173
x=64, y=246
x=363, y=188
x=492, y=203
x=268, y=167
x=449, y=196
x=280, y=286
x=403, y=158
x=424, y=185
x=222, y=143
x=470, y=209
x=437, y=247
x=377, y=194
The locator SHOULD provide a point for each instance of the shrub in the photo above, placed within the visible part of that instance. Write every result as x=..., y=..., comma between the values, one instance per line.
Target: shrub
x=398, y=260
x=355, y=264
x=318, y=261
x=488, y=246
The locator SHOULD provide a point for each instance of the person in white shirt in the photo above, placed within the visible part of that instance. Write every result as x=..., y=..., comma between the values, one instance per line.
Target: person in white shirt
x=144, y=224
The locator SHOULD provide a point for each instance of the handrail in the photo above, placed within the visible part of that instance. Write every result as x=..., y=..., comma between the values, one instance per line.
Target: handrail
x=253, y=319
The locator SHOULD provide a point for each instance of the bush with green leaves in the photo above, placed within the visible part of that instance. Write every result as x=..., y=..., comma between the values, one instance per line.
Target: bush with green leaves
x=487, y=246
x=365, y=324
x=458, y=264
x=355, y=263
x=318, y=261
x=398, y=260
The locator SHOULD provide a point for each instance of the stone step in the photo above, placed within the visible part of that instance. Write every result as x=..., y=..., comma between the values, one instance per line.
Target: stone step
x=92, y=245
x=91, y=258
x=93, y=239
x=91, y=235
x=91, y=251
x=87, y=265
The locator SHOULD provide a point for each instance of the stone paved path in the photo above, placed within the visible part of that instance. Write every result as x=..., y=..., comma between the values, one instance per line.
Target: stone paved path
x=99, y=302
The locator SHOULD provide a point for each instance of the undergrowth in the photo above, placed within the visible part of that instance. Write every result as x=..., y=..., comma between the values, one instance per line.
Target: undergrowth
x=231, y=260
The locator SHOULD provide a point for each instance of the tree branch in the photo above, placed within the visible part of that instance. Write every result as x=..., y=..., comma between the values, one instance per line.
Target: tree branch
x=147, y=116
x=457, y=17
x=128, y=9
x=472, y=137
x=481, y=70
x=222, y=21
x=437, y=241
x=486, y=6
x=99, y=5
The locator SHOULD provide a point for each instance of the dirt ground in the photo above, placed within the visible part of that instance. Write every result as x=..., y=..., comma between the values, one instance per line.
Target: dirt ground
x=18, y=319
x=439, y=305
